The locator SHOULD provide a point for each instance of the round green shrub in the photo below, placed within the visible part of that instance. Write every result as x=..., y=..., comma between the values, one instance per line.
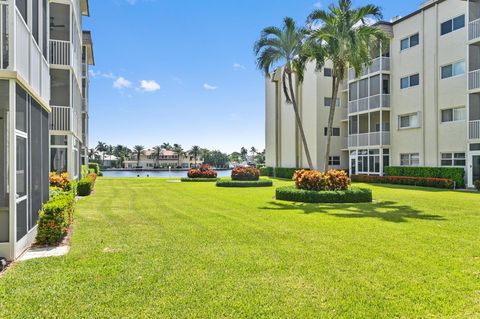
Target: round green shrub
x=198, y=180
x=232, y=183
x=351, y=195
x=477, y=185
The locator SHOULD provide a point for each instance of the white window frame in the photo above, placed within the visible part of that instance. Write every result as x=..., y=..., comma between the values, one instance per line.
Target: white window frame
x=417, y=114
x=333, y=159
x=409, y=77
x=409, y=38
x=328, y=106
x=410, y=159
x=454, y=112
x=453, y=158
x=453, y=70
x=451, y=19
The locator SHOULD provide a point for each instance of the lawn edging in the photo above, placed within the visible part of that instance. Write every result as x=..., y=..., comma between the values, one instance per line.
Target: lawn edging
x=352, y=195
x=239, y=184
x=198, y=180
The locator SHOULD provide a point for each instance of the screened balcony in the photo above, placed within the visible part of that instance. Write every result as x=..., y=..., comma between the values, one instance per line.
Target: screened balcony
x=474, y=67
x=369, y=129
x=474, y=117
x=474, y=21
x=369, y=94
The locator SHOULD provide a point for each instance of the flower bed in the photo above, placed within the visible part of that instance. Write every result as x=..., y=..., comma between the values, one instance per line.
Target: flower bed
x=205, y=171
x=233, y=183
x=245, y=174
x=351, y=195
x=198, y=180
x=406, y=180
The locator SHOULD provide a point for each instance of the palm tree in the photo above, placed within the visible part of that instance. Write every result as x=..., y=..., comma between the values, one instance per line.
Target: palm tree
x=177, y=149
x=102, y=147
x=344, y=38
x=167, y=146
x=158, y=150
x=195, y=150
x=138, y=149
x=254, y=152
x=286, y=46
x=243, y=153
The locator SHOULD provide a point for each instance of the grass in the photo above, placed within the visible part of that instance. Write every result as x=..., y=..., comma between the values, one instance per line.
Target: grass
x=146, y=248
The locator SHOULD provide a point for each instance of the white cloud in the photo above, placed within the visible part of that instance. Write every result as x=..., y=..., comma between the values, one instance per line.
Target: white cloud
x=122, y=83
x=209, y=87
x=239, y=66
x=149, y=86
x=317, y=5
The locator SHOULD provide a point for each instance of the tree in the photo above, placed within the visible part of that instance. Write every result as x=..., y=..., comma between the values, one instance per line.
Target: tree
x=177, y=149
x=195, y=150
x=216, y=159
x=167, y=146
x=102, y=148
x=236, y=157
x=344, y=38
x=158, y=150
x=139, y=150
x=260, y=157
x=243, y=153
x=253, y=151
x=286, y=46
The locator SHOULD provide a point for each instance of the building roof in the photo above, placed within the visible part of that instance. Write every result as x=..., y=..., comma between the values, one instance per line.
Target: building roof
x=85, y=8
x=87, y=41
x=424, y=6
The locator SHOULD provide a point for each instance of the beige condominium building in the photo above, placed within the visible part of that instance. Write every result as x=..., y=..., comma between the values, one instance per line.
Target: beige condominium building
x=417, y=104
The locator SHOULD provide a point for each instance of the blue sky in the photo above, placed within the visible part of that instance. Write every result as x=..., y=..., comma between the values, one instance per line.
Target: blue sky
x=183, y=71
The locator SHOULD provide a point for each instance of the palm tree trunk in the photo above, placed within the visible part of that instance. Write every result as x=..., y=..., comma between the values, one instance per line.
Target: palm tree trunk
x=331, y=116
x=299, y=121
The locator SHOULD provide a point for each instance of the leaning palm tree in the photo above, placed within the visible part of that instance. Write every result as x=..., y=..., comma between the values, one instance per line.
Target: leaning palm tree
x=138, y=149
x=343, y=36
x=195, y=150
x=285, y=46
x=158, y=150
x=177, y=149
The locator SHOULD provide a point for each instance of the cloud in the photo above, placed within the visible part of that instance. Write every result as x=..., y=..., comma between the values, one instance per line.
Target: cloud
x=239, y=66
x=209, y=87
x=317, y=5
x=122, y=83
x=98, y=74
x=149, y=86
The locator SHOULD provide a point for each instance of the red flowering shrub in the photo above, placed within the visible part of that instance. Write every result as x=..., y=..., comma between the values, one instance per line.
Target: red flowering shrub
x=406, y=180
x=61, y=181
x=333, y=180
x=205, y=171
x=245, y=174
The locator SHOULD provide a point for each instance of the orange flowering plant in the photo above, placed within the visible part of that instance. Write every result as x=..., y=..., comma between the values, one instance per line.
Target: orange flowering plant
x=333, y=180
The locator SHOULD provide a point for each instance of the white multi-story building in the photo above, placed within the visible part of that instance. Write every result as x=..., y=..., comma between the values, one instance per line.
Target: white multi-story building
x=417, y=104
x=27, y=89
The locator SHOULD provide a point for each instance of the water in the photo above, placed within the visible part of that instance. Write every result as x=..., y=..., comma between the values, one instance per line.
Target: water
x=165, y=174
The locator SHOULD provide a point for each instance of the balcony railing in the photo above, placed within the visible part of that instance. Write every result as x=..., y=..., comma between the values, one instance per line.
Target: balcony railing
x=378, y=64
x=60, y=118
x=474, y=30
x=474, y=130
x=369, y=139
x=369, y=103
x=59, y=52
x=474, y=80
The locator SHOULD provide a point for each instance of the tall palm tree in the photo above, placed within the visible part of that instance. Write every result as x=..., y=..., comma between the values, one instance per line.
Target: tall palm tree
x=285, y=46
x=158, y=150
x=254, y=152
x=243, y=153
x=138, y=149
x=195, y=150
x=167, y=146
x=344, y=38
x=102, y=147
x=177, y=149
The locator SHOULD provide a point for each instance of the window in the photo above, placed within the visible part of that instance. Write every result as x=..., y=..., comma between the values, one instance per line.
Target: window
x=452, y=70
x=452, y=25
x=327, y=72
x=409, y=42
x=408, y=121
x=412, y=159
x=335, y=131
x=409, y=81
x=475, y=147
x=454, y=114
x=22, y=6
x=453, y=159
x=328, y=102
x=35, y=21
x=334, y=161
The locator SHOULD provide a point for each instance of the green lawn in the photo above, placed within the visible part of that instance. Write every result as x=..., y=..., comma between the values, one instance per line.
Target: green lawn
x=151, y=248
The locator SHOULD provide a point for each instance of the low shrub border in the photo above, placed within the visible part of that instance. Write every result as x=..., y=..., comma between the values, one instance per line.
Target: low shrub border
x=351, y=195
x=86, y=185
x=477, y=185
x=55, y=218
x=232, y=183
x=406, y=180
x=455, y=174
x=199, y=180
x=245, y=174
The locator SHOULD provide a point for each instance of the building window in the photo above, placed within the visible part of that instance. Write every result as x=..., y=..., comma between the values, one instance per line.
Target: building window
x=334, y=161
x=475, y=147
x=454, y=114
x=412, y=159
x=327, y=72
x=409, y=42
x=335, y=131
x=327, y=101
x=409, y=81
x=22, y=6
x=408, y=121
x=453, y=159
x=453, y=25
x=455, y=69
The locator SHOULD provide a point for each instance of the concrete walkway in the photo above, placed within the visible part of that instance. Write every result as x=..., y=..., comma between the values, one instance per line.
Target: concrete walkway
x=44, y=252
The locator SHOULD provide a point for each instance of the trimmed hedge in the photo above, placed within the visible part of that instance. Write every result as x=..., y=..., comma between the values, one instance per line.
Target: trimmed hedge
x=199, y=180
x=266, y=171
x=279, y=172
x=455, y=174
x=406, y=180
x=477, y=185
x=85, y=185
x=351, y=195
x=231, y=183
x=95, y=167
x=245, y=174
x=55, y=217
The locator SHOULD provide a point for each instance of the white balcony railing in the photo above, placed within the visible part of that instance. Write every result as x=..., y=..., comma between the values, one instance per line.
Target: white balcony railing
x=59, y=52
x=474, y=30
x=3, y=36
x=380, y=100
x=60, y=118
x=378, y=64
x=353, y=106
x=474, y=130
x=369, y=139
x=474, y=80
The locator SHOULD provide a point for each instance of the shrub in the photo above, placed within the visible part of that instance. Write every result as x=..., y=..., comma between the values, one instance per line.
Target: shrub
x=84, y=171
x=86, y=185
x=240, y=184
x=351, y=195
x=453, y=173
x=205, y=171
x=266, y=171
x=477, y=185
x=245, y=174
x=282, y=172
x=200, y=180
x=95, y=167
x=55, y=217
x=59, y=180
x=333, y=180
x=406, y=180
